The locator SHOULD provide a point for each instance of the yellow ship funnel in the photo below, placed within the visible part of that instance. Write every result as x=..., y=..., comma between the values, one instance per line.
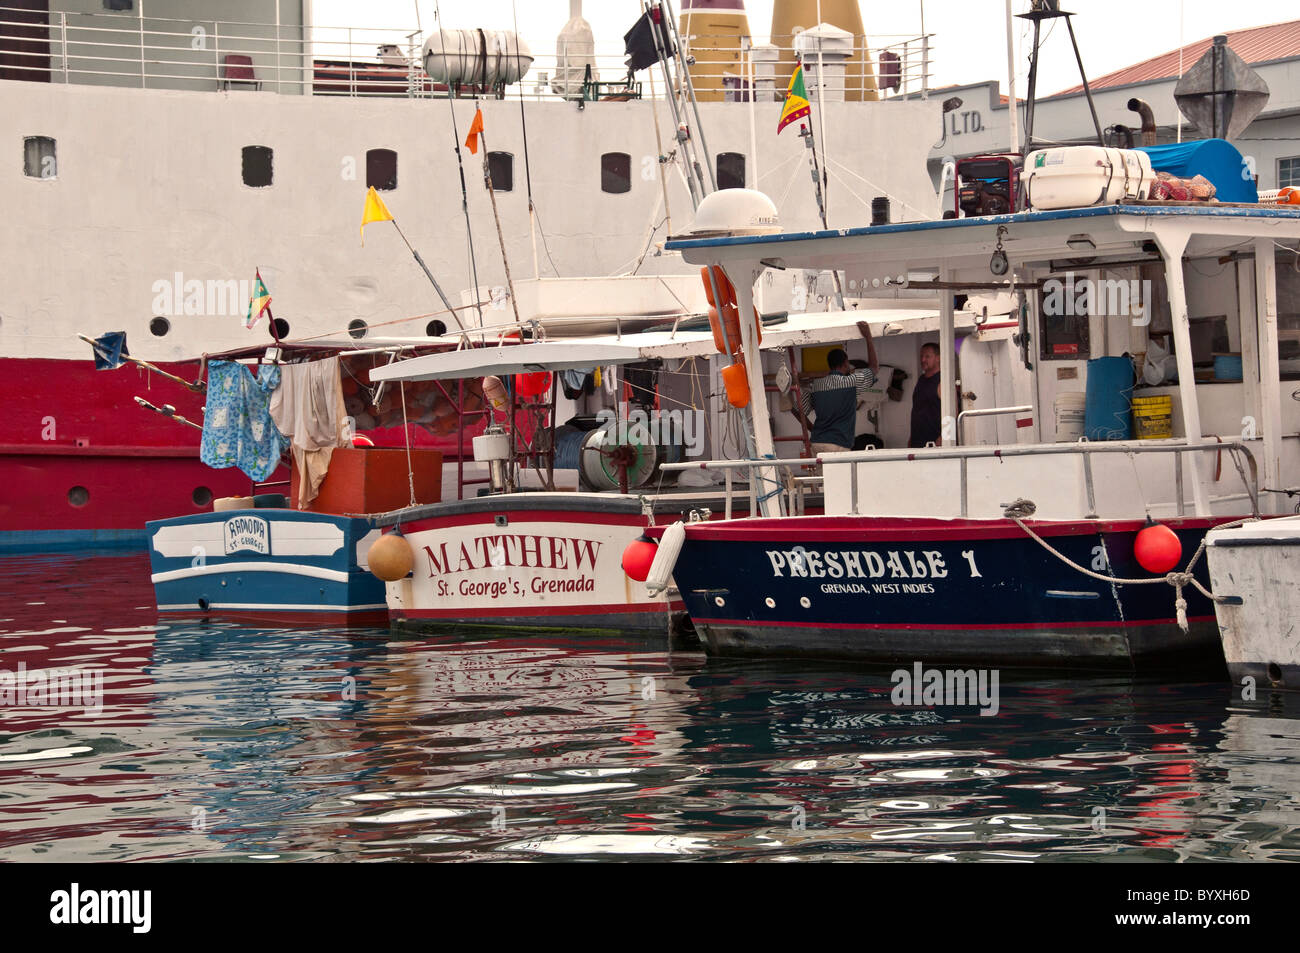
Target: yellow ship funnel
x=711, y=32
x=790, y=17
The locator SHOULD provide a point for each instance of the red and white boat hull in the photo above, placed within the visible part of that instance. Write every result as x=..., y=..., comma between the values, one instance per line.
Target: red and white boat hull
x=533, y=560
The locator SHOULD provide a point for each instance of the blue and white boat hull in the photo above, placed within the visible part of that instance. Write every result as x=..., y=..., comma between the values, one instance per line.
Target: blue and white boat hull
x=268, y=564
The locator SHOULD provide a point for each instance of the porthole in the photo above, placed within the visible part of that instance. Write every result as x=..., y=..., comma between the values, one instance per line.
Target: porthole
x=201, y=496
x=281, y=329
x=381, y=169
x=39, y=160
x=357, y=328
x=256, y=166
x=730, y=167
x=159, y=327
x=501, y=170
x=616, y=172
x=435, y=328
x=78, y=496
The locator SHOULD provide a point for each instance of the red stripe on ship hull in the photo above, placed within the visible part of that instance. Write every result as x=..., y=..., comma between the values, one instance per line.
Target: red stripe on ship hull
x=946, y=627
x=858, y=529
x=532, y=516
x=547, y=612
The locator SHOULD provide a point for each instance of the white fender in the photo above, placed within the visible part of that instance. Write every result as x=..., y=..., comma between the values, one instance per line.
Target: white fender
x=670, y=545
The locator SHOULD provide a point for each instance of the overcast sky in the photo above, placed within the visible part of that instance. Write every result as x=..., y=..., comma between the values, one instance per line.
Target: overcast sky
x=969, y=35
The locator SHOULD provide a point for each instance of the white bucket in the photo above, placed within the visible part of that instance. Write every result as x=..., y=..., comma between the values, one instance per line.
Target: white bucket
x=491, y=446
x=1069, y=416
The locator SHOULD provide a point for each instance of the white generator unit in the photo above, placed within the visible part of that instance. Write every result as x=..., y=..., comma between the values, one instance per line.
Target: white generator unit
x=1083, y=176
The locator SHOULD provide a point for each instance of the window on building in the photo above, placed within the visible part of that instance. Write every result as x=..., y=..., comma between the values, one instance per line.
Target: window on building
x=1288, y=172
x=39, y=160
x=257, y=166
x=616, y=172
x=730, y=170
x=501, y=166
x=381, y=169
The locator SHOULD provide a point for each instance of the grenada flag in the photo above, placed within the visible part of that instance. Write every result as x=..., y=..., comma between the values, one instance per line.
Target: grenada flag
x=259, y=302
x=796, y=101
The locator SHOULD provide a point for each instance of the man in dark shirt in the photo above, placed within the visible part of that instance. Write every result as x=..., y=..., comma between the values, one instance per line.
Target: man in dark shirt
x=926, y=403
x=833, y=400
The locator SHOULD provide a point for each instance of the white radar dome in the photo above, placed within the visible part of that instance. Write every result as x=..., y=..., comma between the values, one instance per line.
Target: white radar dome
x=736, y=212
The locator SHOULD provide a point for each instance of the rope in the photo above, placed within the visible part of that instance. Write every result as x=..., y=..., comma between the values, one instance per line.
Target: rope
x=1176, y=579
x=406, y=430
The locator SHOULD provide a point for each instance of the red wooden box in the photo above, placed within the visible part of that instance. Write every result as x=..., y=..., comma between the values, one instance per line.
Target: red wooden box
x=373, y=480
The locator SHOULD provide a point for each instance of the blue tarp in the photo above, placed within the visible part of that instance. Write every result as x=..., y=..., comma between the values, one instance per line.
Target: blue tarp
x=1216, y=159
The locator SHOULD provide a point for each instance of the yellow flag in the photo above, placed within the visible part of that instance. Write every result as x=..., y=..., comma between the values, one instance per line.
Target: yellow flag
x=375, y=211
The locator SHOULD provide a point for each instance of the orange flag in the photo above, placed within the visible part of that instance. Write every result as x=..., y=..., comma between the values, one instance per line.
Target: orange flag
x=471, y=141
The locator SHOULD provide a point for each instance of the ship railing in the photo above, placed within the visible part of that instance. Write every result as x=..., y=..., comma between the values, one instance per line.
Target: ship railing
x=879, y=66
x=124, y=49
x=796, y=487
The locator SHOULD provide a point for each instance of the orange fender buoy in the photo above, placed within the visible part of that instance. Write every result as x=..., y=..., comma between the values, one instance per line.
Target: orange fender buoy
x=737, y=384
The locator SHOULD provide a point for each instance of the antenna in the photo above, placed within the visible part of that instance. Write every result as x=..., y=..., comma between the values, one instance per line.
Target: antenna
x=1040, y=10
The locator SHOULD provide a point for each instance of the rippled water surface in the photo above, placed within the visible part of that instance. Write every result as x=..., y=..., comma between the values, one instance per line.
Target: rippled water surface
x=219, y=742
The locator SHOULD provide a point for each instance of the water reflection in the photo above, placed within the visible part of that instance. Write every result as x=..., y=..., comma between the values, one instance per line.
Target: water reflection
x=220, y=741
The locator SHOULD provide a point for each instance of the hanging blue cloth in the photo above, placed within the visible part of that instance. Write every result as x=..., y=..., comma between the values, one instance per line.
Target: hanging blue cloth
x=1216, y=159
x=237, y=426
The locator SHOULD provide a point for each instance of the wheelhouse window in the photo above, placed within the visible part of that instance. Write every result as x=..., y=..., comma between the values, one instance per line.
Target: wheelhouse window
x=501, y=167
x=1288, y=172
x=381, y=169
x=39, y=159
x=730, y=168
x=256, y=166
x=616, y=172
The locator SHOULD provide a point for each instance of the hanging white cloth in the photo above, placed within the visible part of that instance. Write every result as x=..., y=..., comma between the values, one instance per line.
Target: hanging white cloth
x=308, y=408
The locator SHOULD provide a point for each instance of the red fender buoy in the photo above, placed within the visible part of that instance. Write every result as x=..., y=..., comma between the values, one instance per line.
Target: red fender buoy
x=1157, y=548
x=638, y=557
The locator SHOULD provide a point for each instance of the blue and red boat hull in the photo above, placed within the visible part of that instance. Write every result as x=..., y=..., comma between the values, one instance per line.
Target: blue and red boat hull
x=896, y=591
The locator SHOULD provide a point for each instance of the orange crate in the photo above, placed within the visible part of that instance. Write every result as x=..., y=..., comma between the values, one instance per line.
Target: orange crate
x=373, y=480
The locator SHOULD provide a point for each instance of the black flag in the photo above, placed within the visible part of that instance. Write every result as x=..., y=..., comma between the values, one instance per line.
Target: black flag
x=639, y=42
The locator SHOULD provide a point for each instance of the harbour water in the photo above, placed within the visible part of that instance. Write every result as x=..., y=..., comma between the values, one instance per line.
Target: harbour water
x=216, y=742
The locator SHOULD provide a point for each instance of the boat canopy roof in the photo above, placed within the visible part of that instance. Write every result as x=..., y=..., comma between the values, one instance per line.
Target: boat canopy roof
x=603, y=350
x=1067, y=235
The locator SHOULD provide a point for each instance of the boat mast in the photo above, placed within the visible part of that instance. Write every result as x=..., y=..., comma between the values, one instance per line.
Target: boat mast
x=806, y=133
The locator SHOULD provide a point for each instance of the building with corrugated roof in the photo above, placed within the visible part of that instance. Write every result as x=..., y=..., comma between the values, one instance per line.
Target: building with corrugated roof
x=1271, y=144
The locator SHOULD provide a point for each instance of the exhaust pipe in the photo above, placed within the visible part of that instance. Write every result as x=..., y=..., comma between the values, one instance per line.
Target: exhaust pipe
x=1148, y=120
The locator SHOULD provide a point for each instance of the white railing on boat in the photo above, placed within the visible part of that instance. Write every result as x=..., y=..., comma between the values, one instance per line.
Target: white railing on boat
x=795, y=487
x=205, y=54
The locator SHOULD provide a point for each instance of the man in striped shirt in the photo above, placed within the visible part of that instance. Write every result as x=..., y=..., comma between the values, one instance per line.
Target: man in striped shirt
x=833, y=400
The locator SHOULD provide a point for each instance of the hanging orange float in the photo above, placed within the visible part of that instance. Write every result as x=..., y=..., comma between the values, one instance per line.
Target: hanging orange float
x=735, y=380
x=729, y=310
